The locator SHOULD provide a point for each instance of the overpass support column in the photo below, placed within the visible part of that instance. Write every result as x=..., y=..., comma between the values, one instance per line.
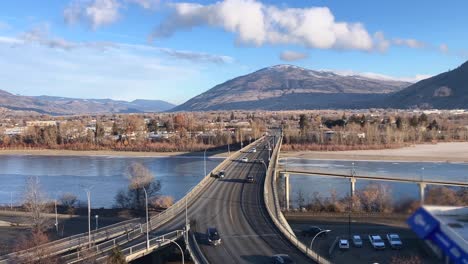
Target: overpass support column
x=352, y=182
x=286, y=189
x=422, y=187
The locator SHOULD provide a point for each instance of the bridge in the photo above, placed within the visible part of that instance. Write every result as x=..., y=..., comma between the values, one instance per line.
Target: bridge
x=353, y=177
x=247, y=215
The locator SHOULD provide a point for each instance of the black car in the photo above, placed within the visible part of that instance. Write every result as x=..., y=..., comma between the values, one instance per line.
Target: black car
x=221, y=174
x=312, y=231
x=282, y=259
x=213, y=236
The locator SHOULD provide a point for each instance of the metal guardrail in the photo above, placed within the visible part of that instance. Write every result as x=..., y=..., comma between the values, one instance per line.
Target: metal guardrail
x=72, y=242
x=275, y=213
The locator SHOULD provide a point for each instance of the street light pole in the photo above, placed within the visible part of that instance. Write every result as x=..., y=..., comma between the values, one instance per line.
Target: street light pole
x=88, y=194
x=177, y=244
x=147, y=220
x=97, y=223
x=313, y=239
x=204, y=158
x=56, y=217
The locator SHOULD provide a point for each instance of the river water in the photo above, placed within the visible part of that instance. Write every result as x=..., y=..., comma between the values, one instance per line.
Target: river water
x=409, y=170
x=106, y=175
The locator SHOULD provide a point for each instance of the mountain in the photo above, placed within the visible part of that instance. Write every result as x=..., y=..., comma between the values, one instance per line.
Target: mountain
x=69, y=106
x=447, y=90
x=285, y=87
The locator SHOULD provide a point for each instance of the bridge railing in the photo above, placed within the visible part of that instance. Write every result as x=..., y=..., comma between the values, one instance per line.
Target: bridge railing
x=274, y=210
x=72, y=242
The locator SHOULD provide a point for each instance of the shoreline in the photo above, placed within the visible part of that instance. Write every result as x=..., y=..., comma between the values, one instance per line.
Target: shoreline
x=106, y=153
x=446, y=152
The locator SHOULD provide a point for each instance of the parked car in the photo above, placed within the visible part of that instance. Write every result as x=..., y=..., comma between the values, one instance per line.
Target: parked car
x=250, y=178
x=213, y=236
x=394, y=241
x=357, y=241
x=245, y=159
x=343, y=244
x=312, y=231
x=376, y=242
x=282, y=259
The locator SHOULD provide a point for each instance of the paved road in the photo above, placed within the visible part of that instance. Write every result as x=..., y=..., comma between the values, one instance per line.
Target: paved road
x=236, y=209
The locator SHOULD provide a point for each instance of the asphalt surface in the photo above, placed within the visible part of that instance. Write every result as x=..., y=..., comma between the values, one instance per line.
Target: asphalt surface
x=237, y=210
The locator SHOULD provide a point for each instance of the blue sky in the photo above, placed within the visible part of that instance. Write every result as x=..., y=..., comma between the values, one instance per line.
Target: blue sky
x=174, y=50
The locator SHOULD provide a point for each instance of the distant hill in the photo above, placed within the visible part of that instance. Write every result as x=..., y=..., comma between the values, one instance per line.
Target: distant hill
x=69, y=106
x=447, y=90
x=285, y=87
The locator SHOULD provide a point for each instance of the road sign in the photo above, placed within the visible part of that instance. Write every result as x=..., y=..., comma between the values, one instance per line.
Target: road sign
x=426, y=226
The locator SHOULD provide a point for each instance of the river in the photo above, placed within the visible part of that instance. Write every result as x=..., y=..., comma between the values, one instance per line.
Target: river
x=106, y=175
x=410, y=170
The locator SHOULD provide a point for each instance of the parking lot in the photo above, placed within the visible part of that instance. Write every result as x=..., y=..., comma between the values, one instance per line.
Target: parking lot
x=412, y=246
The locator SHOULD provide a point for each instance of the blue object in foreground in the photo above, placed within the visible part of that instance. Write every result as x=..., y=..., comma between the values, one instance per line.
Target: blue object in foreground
x=426, y=226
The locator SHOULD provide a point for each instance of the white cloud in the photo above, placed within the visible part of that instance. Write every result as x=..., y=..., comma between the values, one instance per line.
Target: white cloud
x=257, y=24
x=289, y=55
x=410, y=43
x=40, y=35
x=381, y=43
x=96, y=13
x=379, y=76
x=196, y=56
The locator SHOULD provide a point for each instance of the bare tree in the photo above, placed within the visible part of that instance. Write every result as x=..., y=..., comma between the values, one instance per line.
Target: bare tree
x=35, y=202
x=139, y=177
x=69, y=200
x=35, y=253
x=116, y=257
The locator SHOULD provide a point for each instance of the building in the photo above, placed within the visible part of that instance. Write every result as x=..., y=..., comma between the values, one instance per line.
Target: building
x=40, y=123
x=445, y=228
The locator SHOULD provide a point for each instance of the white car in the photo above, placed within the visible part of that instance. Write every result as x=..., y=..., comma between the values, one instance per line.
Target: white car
x=254, y=150
x=357, y=241
x=343, y=244
x=245, y=159
x=376, y=242
x=394, y=241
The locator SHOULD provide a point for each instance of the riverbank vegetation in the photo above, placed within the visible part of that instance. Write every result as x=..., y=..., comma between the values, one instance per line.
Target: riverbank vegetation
x=367, y=131
x=378, y=198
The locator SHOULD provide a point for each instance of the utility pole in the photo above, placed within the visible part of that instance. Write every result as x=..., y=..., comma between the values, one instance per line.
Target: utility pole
x=204, y=163
x=147, y=220
x=56, y=216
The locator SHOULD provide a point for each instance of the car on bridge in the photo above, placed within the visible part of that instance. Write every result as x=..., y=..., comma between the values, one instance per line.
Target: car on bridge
x=213, y=236
x=219, y=174
x=245, y=159
x=376, y=242
x=394, y=241
x=254, y=150
x=250, y=179
x=282, y=259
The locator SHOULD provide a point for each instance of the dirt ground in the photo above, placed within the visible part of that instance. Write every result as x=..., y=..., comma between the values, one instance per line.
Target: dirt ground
x=412, y=245
x=15, y=225
x=441, y=152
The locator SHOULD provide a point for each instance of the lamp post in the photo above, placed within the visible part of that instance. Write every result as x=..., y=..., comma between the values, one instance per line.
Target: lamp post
x=147, y=219
x=11, y=200
x=56, y=216
x=97, y=221
x=88, y=195
x=313, y=239
x=204, y=163
x=180, y=248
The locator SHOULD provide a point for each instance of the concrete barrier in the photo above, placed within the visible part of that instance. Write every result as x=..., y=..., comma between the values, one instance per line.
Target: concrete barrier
x=273, y=208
